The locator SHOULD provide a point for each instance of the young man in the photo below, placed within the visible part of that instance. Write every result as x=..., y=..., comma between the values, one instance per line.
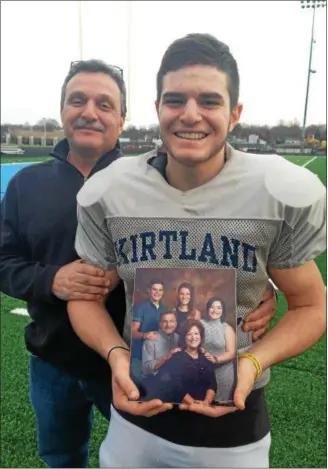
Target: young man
x=202, y=204
x=39, y=265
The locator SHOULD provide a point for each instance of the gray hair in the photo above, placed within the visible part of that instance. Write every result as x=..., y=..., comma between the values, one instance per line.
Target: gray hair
x=96, y=66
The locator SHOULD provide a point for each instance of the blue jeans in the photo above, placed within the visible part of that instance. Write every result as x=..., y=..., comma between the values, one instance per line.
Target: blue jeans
x=63, y=407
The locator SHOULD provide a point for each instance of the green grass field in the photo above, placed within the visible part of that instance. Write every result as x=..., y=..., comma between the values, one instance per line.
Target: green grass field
x=296, y=394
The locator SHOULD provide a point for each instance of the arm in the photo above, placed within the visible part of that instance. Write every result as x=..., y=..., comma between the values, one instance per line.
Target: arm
x=93, y=325
x=136, y=334
x=230, y=353
x=305, y=321
x=20, y=277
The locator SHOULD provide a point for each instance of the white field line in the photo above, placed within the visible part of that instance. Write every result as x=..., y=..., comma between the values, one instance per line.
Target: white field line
x=19, y=311
x=308, y=162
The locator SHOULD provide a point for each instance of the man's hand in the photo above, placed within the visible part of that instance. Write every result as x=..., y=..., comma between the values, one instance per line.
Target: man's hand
x=78, y=281
x=258, y=321
x=125, y=391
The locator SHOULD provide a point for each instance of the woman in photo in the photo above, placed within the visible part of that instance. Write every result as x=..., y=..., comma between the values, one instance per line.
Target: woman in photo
x=185, y=305
x=188, y=373
x=220, y=347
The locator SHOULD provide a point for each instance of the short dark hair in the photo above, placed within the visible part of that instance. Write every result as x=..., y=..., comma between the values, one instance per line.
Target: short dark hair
x=185, y=328
x=155, y=281
x=200, y=49
x=209, y=305
x=169, y=311
x=96, y=66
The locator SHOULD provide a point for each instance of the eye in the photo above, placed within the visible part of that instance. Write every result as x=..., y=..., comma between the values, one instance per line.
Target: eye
x=77, y=102
x=105, y=106
x=174, y=102
x=210, y=102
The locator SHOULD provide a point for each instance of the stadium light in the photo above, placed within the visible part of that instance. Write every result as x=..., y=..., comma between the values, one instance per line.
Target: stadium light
x=314, y=4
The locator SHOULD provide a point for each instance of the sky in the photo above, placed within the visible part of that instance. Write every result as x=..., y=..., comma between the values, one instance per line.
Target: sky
x=269, y=39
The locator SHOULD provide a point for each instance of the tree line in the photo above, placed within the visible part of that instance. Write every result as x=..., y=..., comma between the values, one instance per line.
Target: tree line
x=279, y=133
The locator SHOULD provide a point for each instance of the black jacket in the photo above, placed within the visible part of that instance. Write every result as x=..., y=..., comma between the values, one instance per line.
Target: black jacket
x=38, y=225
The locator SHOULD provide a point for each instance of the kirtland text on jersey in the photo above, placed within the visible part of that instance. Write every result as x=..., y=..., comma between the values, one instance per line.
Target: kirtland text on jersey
x=213, y=249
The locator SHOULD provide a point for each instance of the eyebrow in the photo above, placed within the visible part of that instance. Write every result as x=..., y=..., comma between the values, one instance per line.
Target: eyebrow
x=81, y=94
x=171, y=94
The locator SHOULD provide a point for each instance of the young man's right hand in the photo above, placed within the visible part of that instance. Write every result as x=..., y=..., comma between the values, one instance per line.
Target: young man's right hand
x=125, y=392
x=79, y=281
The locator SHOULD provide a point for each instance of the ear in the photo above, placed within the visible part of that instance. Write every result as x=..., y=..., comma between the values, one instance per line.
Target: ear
x=122, y=122
x=235, y=116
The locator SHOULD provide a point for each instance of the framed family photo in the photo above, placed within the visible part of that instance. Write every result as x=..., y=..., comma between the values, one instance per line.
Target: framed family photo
x=183, y=343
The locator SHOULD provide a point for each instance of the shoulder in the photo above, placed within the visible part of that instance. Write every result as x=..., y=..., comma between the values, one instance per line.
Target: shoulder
x=111, y=179
x=32, y=169
x=283, y=181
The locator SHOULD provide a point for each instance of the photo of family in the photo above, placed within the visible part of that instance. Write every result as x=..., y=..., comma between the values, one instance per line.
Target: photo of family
x=183, y=343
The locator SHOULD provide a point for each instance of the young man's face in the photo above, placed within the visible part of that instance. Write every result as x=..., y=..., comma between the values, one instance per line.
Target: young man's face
x=92, y=100
x=194, y=113
x=156, y=292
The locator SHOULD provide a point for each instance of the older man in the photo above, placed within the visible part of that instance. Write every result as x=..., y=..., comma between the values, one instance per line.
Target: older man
x=156, y=352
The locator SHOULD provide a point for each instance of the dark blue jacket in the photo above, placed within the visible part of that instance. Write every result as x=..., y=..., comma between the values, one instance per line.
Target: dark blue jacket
x=38, y=225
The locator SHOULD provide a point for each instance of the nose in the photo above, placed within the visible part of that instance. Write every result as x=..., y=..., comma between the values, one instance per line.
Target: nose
x=190, y=114
x=89, y=111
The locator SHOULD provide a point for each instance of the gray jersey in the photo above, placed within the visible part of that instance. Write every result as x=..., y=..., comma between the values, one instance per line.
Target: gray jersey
x=260, y=211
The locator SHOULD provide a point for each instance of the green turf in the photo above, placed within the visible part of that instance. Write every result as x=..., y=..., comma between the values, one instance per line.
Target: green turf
x=296, y=394
x=22, y=159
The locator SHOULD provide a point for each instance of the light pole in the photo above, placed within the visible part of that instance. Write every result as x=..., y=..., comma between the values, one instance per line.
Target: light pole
x=79, y=4
x=314, y=4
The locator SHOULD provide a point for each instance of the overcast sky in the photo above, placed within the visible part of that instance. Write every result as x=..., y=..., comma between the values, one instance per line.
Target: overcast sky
x=270, y=40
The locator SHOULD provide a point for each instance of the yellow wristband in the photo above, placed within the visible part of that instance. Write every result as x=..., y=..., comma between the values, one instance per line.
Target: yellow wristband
x=255, y=361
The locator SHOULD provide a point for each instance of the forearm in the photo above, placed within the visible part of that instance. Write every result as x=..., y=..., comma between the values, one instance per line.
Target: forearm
x=160, y=362
x=137, y=335
x=225, y=357
x=210, y=395
x=94, y=326
x=295, y=332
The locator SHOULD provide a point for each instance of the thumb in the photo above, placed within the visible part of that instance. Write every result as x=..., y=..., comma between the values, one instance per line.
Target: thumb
x=78, y=261
x=127, y=386
x=246, y=378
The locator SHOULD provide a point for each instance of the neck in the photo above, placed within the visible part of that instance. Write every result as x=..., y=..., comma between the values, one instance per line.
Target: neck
x=156, y=303
x=84, y=162
x=185, y=178
x=183, y=308
x=193, y=353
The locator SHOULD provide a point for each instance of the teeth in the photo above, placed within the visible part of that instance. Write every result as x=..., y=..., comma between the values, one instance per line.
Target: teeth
x=191, y=135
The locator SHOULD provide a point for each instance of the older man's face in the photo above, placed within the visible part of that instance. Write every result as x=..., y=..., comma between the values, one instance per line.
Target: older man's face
x=91, y=114
x=168, y=323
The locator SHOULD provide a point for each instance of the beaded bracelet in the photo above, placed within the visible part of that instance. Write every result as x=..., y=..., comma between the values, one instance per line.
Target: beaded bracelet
x=255, y=361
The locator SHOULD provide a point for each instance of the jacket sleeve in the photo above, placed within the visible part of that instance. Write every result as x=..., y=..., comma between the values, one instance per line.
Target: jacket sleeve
x=19, y=276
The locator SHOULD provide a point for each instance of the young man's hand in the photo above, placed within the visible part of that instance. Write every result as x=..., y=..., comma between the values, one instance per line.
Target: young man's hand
x=125, y=392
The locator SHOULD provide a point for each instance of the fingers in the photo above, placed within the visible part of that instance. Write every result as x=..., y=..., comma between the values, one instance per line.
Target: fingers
x=210, y=411
x=90, y=289
x=90, y=270
x=258, y=334
x=146, y=409
x=86, y=279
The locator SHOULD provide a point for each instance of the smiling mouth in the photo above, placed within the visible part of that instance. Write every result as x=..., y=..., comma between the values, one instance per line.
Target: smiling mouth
x=191, y=135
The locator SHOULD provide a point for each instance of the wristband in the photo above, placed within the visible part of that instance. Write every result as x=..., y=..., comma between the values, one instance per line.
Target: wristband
x=113, y=348
x=255, y=361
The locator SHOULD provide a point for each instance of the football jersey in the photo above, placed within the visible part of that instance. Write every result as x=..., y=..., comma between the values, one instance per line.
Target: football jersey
x=259, y=212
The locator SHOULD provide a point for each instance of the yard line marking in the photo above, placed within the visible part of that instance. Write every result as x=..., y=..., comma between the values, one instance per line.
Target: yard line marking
x=308, y=162
x=19, y=311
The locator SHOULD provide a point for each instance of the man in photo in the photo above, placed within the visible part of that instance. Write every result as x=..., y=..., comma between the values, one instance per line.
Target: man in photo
x=145, y=323
x=157, y=352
